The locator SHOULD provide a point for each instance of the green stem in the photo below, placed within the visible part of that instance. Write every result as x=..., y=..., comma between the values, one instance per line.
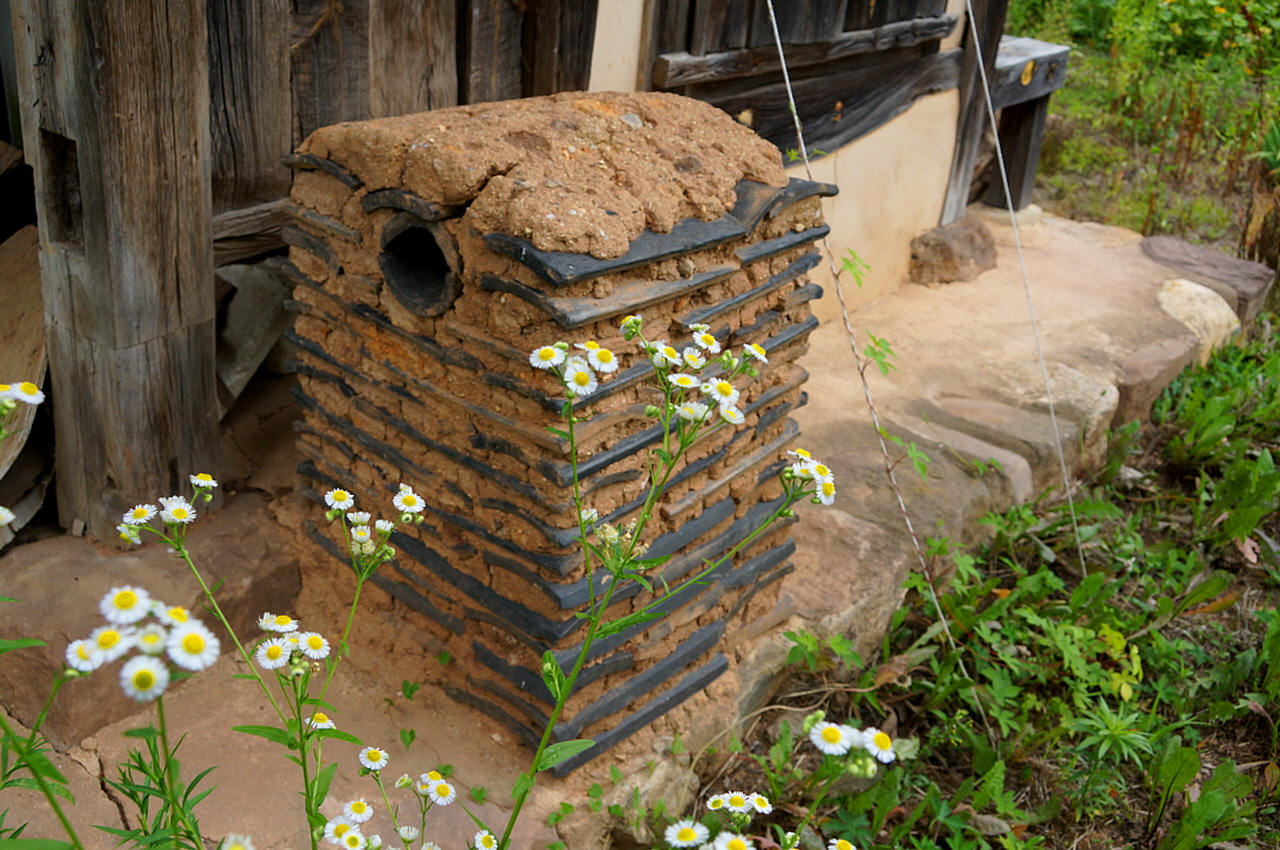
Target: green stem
x=343, y=649
x=817, y=802
x=176, y=811
x=217, y=612
x=395, y=822
x=23, y=747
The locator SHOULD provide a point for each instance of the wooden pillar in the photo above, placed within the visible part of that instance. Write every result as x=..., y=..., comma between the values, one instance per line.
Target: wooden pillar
x=115, y=114
x=989, y=16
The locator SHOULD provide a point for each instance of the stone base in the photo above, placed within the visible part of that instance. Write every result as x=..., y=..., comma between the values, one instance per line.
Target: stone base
x=958, y=251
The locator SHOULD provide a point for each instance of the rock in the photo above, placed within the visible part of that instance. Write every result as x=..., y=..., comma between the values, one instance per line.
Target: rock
x=941, y=442
x=1243, y=284
x=1145, y=373
x=255, y=320
x=961, y=250
x=1027, y=216
x=60, y=581
x=1202, y=310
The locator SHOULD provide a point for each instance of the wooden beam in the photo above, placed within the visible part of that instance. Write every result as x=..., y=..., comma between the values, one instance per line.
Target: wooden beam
x=491, y=49
x=249, y=232
x=413, y=46
x=1021, y=133
x=559, y=36
x=115, y=100
x=989, y=16
x=678, y=69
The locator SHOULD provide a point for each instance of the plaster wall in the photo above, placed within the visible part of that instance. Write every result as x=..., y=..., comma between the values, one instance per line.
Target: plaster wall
x=615, y=55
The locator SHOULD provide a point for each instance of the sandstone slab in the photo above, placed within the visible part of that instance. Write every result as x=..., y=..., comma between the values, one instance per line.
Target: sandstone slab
x=1145, y=373
x=1202, y=310
x=1243, y=284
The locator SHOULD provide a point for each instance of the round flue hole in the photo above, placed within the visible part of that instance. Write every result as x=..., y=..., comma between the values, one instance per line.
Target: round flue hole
x=416, y=267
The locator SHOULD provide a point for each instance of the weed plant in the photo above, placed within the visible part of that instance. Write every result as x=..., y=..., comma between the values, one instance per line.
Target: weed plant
x=1129, y=700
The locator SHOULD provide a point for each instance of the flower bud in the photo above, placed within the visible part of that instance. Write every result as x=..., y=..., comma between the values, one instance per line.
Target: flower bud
x=652, y=411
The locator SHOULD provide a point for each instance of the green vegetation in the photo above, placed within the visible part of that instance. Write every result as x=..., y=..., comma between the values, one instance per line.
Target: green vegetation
x=1129, y=699
x=1167, y=105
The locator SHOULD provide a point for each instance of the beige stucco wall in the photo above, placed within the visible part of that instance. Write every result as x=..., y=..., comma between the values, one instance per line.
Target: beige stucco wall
x=892, y=183
x=892, y=180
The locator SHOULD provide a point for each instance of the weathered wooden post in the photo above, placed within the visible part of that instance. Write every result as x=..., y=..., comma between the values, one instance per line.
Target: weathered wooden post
x=115, y=115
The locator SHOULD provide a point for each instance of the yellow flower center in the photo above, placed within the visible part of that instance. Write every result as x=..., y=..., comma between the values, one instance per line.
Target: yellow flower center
x=28, y=388
x=715, y=804
x=434, y=775
x=828, y=489
x=315, y=642
x=81, y=652
x=821, y=469
x=179, y=513
x=138, y=513
x=341, y=496
x=592, y=345
x=341, y=829
x=236, y=846
x=686, y=834
x=487, y=842
x=151, y=638
x=724, y=387
x=831, y=735
x=178, y=614
x=359, y=807
x=352, y=840
x=320, y=717
x=737, y=802
x=375, y=755
x=581, y=378
x=144, y=680
x=126, y=599
x=546, y=354
x=204, y=476
x=758, y=349
x=274, y=652
x=283, y=620
x=108, y=639
x=735, y=844
x=882, y=741
x=193, y=643
x=604, y=355
x=841, y=844
x=444, y=790
x=671, y=352
x=802, y=453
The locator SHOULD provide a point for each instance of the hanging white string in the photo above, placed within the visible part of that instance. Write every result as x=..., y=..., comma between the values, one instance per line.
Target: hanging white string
x=1067, y=487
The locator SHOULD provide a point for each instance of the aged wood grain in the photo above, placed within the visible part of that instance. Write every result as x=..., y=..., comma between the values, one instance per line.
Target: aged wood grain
x=719, y=25
x=678, y=69
x=115, y=98
x=1021, y=133
x=412, y=56
x=799, y=21
x=330, y=64
x=846, y=100
x=248, y=232
x=989, y=17
x=664, y=29
x=491, y=50
x=559, y=36
x=250, y=101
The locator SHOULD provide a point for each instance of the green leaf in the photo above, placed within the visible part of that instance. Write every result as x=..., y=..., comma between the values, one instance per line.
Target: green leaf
x=522, y=786
x=34, y=844
x=561, y=751
x=249, y=676
x=20, y=643
x=322, y=780
x=146, y=733
x=1210, y=588
x=1177, y=770
x=8, y=599
x=552, y=674
x=407, y=736
x=318, y=702
x=479, y=793
x=409, y=688
x=623, y=623
x=339, y=735
x=271, y=733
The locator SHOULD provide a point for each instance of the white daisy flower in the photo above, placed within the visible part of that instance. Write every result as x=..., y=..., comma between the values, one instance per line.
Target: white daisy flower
x=442, y=793
x=602, y=360
x=879, y=744
x=732, y=841
x=170, y=615
x=821, y=472
x=631, y=323
x=686, y=833
x=724, y=393
x=732, y=415
x=81, y=656
x=761, y=804
x=339, y=499
x=737, y=801
x=694, y=358
x=404, y=781
x=800, y=453
x=683, y=381
x=139, y=514
x=589, y=515
x=826, y=493
x=152, y=639
x=840, y=844
x=352, y=840
x=756, y=352
x=176, y=509
x=833, y=739
x=111, y=642
x=320, y=720
x=579, y=378
x=423, y=788
x=272, y=654
x=203, y=481
x=7, y=516
x=699, y=327
x=546, y=357
x=716, y=802
x=277, y=623
x=336, y=828
x=407, y=501
x=236, y=842
x=358, y=811
x=128, y=533
x=664, y=355
x=26, y=391
x=192, y=647
x=358, y=517
x=313, y=645
x=373, y=758
x=707, y=342
x=144, y=678
x=361, y=533
x=485, y=840
x=384, y=526
x=408, y=834
x=123, y=606
x=430, y=845
x=693, y=411
x=373, y=842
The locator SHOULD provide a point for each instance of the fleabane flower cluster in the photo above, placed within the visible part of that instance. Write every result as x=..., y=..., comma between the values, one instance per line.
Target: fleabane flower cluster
x=692, y=398
x=161, y=634
x=736, y=809
x=861, y=747
x=287, y=646
x=367, y=538
x=174, y=512
x=10, y=395
x=579, y=367
x=811, y=476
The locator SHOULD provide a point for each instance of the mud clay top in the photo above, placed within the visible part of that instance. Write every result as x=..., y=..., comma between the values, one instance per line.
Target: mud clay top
x=579, y=172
